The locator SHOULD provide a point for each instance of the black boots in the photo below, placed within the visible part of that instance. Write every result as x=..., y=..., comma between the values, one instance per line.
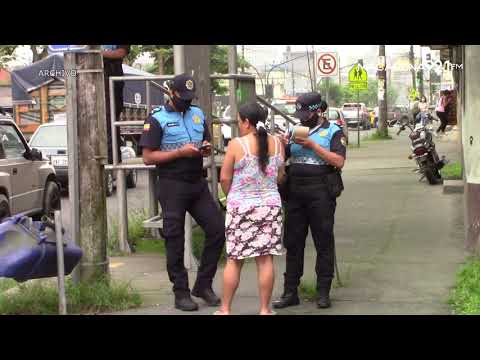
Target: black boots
x=286, y=300
x=208, y=296
x=323, y=301
x=185, y=303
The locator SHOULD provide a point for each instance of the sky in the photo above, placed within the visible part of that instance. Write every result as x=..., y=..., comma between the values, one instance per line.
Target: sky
x=263, y=54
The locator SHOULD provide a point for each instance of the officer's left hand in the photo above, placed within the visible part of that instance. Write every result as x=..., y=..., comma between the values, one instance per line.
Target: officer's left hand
x=307, y=143
x=208, y=151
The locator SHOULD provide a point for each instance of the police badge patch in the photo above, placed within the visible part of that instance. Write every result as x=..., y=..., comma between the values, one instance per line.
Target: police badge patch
x=189, y=84
x=343, y=140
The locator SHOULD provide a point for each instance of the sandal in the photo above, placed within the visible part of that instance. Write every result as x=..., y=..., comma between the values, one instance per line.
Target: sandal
x=270, y=313
x=218, y=312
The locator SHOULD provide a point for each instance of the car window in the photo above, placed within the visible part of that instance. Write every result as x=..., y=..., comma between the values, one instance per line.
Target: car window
x=333, y=115
x=50, y=136
x=11, y=142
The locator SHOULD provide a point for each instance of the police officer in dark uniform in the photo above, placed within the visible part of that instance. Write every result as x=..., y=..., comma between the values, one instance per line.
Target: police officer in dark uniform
x=175, y=138
x=314, y=182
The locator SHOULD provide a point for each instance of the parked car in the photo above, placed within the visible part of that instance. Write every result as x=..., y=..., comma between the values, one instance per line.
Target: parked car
x=356, y=114
x=28, y=183
x=336, y=116
x=51, y=139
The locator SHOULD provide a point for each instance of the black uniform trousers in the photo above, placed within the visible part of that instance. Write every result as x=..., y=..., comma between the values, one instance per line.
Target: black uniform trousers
x=309, y=205
x=176, y=198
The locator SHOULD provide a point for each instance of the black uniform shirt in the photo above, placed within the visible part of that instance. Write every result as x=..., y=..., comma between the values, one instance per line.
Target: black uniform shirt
x=186, y=169
x=337, y=146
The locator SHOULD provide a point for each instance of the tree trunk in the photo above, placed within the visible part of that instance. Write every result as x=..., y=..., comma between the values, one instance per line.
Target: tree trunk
x=161, y=63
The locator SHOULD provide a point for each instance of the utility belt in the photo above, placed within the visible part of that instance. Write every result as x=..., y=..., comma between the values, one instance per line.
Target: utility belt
x=331, y=181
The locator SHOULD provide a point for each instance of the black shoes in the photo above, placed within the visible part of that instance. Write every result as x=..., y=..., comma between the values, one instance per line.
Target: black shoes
x=185, y=303
x=323, y=302
x=287, y=299
x=208, y=296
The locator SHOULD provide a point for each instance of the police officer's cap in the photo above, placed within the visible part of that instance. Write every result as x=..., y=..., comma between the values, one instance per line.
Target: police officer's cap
x=184, y=85
x=306, y=104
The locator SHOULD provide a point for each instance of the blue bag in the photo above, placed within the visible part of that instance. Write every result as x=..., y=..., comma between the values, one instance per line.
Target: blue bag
x=28, y=251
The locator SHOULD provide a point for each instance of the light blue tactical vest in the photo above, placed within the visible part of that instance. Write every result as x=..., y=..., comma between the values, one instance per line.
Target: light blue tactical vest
x=321, y=136
x=179, y=130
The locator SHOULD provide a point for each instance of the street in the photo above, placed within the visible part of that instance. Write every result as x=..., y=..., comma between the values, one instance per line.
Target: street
x=399, y=243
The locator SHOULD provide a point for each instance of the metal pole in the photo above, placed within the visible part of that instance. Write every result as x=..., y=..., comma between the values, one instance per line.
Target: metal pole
x=121, y=181
x=272, y=122
x=151, y=174
x=62, y=299
x=358, y=118
x=232, y=69
x=72, y=151
x=179, y=68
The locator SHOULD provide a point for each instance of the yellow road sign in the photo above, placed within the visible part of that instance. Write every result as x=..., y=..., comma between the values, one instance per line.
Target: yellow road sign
x=358, y=77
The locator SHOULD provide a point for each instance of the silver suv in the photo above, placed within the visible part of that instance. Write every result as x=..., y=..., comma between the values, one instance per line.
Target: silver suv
x=28, y=183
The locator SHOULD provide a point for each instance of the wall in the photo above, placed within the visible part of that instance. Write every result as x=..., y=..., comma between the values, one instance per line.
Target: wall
x=470, y=126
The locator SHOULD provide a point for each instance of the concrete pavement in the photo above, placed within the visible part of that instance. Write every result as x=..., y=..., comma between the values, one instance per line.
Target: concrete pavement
x=399, y=243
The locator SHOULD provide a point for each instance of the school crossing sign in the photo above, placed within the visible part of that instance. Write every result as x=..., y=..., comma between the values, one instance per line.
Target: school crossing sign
x=358, y=78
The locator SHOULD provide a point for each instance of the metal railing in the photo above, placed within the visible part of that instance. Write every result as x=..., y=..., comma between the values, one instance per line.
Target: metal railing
x=154, y=220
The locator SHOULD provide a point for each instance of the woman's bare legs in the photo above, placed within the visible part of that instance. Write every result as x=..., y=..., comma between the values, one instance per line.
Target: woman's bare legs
x=266, y=278
x=231, y=279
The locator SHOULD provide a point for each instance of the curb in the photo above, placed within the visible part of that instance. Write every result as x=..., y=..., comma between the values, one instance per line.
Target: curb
x=453, y=186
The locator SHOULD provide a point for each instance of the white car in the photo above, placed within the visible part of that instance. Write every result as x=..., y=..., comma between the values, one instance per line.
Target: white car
x=51, y=140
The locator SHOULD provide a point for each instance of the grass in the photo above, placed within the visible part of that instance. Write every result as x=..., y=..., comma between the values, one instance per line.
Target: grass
x=377, y=137
x=136, y=231
x=6, y=284
x=41, y=298
x=465, y=297
x=307, y=290
x=452, y=171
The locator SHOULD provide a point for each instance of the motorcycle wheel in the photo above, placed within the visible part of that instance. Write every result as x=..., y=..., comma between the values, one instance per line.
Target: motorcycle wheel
x=433, y=176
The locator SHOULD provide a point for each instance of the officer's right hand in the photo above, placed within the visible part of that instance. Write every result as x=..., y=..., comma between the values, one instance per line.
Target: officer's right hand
x=189, y=151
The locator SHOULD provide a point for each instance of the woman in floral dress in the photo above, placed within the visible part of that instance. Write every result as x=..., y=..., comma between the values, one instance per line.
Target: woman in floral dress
x=253, y=165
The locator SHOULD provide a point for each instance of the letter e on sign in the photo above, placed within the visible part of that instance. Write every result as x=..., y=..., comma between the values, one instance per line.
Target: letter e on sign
x=327, y=64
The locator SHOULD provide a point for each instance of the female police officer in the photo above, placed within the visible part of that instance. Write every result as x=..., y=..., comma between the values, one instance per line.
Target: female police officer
x=314, y=184
x=172, y=139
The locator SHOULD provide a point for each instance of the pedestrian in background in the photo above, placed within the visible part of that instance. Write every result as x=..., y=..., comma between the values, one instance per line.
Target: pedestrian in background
x=113, y=56
x=443, y=102
x=252, y=169
x=423, y=109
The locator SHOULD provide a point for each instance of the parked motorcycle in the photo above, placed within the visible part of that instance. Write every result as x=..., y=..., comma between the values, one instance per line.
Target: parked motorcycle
x=424, y=152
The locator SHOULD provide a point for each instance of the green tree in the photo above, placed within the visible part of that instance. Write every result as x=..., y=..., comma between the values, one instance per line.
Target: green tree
x=335, y=94
x=6, y=54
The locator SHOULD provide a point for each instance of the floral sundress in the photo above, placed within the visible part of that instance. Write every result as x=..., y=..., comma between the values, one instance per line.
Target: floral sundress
x=254, y=208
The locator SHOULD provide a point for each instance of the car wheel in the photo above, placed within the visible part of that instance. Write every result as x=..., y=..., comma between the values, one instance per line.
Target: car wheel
x=51, y=200
x=4, y=207
x=132, y=179
x=109, y=184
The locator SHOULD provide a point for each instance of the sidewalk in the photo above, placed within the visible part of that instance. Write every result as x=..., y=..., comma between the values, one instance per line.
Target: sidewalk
x=399, y=243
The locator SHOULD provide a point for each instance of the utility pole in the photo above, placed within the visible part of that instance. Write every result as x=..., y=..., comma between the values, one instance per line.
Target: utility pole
x=420, y=73
x=179, y=66
x=314, y=69
x=232, y=69
x=411, y=56
x=86, y=113
x=382, y=129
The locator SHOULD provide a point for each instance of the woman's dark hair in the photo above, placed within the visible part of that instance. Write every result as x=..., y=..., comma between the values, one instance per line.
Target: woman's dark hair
x=255, y=113
x=423, y=97
x=323, y=106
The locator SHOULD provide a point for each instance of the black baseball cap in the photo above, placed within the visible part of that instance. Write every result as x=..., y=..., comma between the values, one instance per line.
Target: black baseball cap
x=306, y=104
x=184, y=85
